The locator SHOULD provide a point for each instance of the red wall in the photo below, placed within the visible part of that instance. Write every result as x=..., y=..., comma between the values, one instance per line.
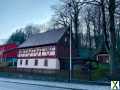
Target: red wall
x=9, y=50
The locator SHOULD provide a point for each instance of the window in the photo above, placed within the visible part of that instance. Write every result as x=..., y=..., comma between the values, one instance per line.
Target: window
x=36, y=62
x=46, y=62
x=103, y=58
x=26, y=62
x=20, y=62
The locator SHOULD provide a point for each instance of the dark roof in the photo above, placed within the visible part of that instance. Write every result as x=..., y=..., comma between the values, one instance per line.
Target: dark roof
x=102, y=48
x=49, y=37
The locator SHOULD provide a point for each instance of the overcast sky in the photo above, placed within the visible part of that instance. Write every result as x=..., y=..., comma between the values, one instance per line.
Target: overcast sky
x=19, y=13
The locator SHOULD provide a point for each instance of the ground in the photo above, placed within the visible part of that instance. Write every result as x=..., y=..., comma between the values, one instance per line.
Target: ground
x=17, y=84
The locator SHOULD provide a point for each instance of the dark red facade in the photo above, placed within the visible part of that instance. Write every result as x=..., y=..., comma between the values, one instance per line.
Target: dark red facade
x=8, y=51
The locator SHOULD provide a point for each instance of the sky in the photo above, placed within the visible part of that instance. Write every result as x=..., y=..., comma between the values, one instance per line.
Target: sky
x=15, y=14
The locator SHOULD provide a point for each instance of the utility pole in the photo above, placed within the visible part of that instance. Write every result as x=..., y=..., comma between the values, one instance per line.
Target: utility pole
x=70, y=74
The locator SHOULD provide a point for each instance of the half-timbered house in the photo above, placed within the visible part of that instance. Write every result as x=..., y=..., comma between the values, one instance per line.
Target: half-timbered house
x=44, y=50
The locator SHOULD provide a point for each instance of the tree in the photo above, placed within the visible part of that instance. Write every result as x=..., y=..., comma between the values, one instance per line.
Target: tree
x=88, y=34
x=69, y=9
x=100, y=20
x=22, y=34
x=18, y=37
x=31, y=29
x=112, y=36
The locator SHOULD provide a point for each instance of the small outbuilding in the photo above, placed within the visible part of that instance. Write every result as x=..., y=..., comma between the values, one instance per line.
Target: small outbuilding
x=8, y=55
x=102, y=55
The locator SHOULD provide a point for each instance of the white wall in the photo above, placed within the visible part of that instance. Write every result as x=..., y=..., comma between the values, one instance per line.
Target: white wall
x=53, y=63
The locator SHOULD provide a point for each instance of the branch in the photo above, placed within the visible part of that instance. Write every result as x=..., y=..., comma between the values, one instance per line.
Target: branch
x=93, y=2
x=117, y=3
x=118, y=13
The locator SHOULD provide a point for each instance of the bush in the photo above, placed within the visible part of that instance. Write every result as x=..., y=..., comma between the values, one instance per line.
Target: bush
x=101, y=72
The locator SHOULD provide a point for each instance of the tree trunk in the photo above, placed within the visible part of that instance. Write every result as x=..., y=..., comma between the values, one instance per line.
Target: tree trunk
x=112, y=36
x=76, y=33
x=89, y=35
x=104, y=24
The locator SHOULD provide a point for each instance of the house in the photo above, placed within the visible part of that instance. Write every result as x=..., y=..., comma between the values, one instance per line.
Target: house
x=44, y=50
x=102, y=55
x=8, y=55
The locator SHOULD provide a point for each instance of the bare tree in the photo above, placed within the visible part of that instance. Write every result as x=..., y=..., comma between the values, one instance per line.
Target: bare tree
x=112, y=35
x=63, y=16
x=30, y=30
x=88, y=34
